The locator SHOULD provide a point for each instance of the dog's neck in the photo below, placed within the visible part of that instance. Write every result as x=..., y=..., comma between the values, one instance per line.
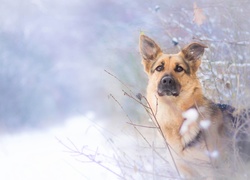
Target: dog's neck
x=188, y=100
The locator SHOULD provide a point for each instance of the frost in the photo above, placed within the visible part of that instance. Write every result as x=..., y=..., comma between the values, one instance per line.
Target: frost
x=198, y=34
x=212, y=20
x=181, y=25
x=157, y=8
x=189, y=30
x=214, y=38
x=212, y=45
x=240, y=57
x=175, y=41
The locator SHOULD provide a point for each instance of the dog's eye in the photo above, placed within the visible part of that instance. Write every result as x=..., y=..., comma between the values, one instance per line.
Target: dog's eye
x=159, y=68
x=178, y=68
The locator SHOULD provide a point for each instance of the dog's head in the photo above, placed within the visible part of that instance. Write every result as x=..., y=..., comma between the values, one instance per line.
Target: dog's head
x=171, y=74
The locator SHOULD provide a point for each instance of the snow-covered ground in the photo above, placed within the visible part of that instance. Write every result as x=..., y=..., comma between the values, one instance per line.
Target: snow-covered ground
x=83, y=148
x=43, y=154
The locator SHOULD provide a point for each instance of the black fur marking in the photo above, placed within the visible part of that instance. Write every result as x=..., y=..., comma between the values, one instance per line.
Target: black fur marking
x=153, y=66
x=225, y=107
x=196, y=140
x=187, y=69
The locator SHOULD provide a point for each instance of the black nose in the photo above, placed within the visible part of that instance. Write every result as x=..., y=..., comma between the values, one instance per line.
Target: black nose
x=169, y=86
x=167, y=81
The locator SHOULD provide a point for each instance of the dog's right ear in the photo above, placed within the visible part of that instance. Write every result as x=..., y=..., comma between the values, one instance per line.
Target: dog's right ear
x=193, y=54
x=149, y=51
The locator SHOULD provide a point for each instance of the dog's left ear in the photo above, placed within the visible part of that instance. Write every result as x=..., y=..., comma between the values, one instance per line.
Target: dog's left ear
x=193, y=54
x=149, y=51
x=148, y=48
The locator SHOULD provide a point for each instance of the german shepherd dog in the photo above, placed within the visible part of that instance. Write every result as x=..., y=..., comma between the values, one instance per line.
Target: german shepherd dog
x=193, y=126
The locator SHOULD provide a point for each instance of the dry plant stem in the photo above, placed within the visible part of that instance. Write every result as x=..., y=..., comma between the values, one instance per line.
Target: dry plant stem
x=138, y=125
x=90, y=157
x=146, y=108
x=130, y=119
x=241, y=43
x=118, y=80
x=168, y=146
x=164, y=24
x=214, y=78
x=125, y=93
x=151, y=112
x=141, y=126
x=236, y=154
x=203, y=133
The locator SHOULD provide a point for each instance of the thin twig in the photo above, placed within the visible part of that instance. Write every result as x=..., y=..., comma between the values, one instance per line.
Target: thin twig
x=240, y=43
x=118, y=80
x=92, y=158
x=130, y=120
x=135, y=99
x=138, y=125
x=149, y=110
x=168, y=146
x=203, y=133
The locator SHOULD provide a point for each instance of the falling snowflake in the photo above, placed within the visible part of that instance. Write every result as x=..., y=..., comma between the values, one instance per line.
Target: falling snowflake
x=214, y=154
x=190, y=116
x=204, y=124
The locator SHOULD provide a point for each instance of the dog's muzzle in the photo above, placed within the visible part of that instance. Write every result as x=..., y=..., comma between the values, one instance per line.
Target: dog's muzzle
x=168, y=86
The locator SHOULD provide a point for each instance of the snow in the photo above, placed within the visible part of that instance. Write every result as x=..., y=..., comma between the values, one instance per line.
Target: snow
x=213, y=154
x=40, y=155
x=205, y=124
x=190, y=116
x=81, y=148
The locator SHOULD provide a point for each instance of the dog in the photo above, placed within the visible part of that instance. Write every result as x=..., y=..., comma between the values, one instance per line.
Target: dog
x=197, y=130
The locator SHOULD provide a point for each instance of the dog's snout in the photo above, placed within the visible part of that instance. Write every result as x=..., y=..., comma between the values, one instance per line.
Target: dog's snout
x=168, y=86
x=167, y=80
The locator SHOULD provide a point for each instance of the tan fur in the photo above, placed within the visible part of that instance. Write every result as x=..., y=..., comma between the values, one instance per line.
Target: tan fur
x=191, y=161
